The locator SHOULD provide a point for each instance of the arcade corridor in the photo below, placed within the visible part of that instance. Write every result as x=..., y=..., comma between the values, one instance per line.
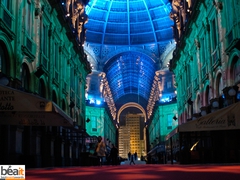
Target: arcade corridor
x=70, y=69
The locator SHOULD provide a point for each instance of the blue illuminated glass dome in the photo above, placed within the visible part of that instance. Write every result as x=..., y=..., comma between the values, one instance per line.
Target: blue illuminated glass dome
x=128, y=22
x=125, y=39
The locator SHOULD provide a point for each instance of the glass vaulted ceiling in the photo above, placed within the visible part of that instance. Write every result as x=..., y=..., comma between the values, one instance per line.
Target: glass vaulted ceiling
x=128, y=22
x=130, y=73
x=131, y=24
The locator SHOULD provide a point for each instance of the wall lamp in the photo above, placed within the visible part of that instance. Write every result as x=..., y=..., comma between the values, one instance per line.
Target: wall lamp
x=72, y=104
x=88, y=120
x=3, y=79
x=189, y=101
x=174, y=118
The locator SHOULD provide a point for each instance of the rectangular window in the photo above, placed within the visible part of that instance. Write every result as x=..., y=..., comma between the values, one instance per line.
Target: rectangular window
x=189, y=73
x=169, y=84
x=94, y=121
x=7, y=3
x=195, y=68
x=72, y=78
x=56, y=58
x=28, y=23
x=44, y=40
x=203, y=50
x=203, y=57
x=56, y=61
x=230, y=8
x=214, y=34
x=170, y=119
x=93, y=87
x=64, y=72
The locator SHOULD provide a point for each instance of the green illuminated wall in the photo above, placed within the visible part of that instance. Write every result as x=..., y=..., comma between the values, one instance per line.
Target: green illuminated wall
x=162, y=123
x=100, y=123
x=206, y=59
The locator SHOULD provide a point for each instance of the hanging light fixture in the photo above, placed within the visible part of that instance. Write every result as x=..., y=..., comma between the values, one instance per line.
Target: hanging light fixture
x=215, y=104
x=231, y=92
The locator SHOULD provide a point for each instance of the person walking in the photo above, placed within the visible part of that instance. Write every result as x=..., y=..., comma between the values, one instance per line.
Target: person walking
x=100, y=150
x=114, y=155
x=132, y=160
x=129, y=156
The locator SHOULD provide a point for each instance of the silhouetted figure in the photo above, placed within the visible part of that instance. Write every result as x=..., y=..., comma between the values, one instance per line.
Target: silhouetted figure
x=135, y=156
x=132, y=159
x=129, y=156
x=114, y=155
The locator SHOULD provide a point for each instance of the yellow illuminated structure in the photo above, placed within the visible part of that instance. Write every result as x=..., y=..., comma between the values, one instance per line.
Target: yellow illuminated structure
x=136, y=134
x=124, y=141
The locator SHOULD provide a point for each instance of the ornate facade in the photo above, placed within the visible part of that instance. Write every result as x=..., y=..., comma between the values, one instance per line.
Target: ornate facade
x=42, y=61
x=206, y=58
x=206, y=66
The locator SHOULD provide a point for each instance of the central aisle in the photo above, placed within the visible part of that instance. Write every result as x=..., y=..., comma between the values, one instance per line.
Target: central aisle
x=138, y=172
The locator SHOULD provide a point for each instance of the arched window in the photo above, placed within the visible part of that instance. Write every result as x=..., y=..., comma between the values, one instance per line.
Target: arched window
x=208, y=96
x=219, y=90
x=41, y=90
x=25, y=76
x=76, y=118
x=54, y=97
x=3, y=60
x=219, y=86
x=198, y=104
x=63, y=105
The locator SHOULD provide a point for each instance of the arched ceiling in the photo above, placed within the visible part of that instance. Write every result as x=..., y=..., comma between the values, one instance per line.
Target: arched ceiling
x=130, y=73
x=128, y=24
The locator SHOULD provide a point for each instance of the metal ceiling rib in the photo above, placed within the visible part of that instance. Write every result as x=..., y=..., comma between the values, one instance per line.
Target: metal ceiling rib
x=106, y=19
x=150, y=22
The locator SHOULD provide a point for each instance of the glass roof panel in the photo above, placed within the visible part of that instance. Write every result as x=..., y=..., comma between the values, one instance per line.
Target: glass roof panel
x=97, y=15
x=96, y=37
x=145, y=26
x=97, y=26
x=119, y=6
x=138, y=17
x=111, y=38
x=142, y=38
x=137, y=6
x=118, y=17
x=111, y=28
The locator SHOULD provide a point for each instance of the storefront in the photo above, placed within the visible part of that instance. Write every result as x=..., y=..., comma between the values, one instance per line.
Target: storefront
x=157, y=154
x=21, y=108
x=37, y=133
x=214, y=138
